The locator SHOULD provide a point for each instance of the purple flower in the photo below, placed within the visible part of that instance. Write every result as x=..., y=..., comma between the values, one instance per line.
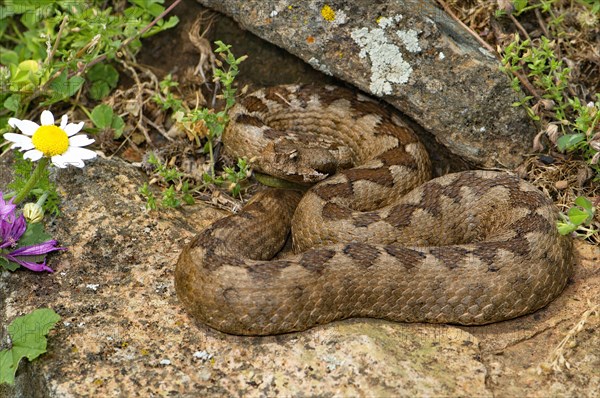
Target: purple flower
x=24, y=255
x=7, y=209
x=11, y=230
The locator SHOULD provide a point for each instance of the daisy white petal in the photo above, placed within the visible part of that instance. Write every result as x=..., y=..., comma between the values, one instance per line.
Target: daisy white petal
x=72, y=129
x=47, y=118
x=58, y=161
x=27, y=127
x=67, y=159
x=19, y=141
x=64, y=160
x=80, y=140
x=63, y=121
x=33, y=155
x=79, y=153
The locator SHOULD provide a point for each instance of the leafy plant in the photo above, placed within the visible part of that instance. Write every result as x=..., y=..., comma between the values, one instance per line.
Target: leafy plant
x=549, y=90
x=215, y=122
x=177, y=191
x=583, y=139
x=27, y=340
x=168, y=100
x=235, y=176
x=22, y=170
x=103, y=79
x=47, y=48
x=104, y=118
x=144, y=190
x=578, y=219
x=537, y=64
x=205, y=127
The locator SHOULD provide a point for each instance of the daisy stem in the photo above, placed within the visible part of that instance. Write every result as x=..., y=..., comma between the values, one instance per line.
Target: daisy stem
x=33, y=179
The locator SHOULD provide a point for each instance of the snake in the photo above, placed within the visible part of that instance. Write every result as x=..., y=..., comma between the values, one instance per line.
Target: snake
x=372, y=234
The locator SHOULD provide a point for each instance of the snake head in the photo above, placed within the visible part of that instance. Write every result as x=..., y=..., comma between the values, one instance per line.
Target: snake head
x=301, y=165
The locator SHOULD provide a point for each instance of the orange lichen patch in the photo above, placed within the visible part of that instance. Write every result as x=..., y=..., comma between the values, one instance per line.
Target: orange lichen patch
x=310, y=39
x=328, y=13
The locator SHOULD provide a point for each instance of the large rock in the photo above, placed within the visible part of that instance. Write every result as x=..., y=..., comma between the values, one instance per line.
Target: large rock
x=124, y=333
x=411, y=54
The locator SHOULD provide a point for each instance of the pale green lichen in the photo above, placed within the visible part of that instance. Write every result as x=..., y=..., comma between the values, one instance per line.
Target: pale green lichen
x=410, y=40
x=387, y=63
x=319, y=66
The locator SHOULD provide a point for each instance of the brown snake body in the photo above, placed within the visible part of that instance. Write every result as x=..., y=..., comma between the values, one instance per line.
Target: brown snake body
x=376, y=239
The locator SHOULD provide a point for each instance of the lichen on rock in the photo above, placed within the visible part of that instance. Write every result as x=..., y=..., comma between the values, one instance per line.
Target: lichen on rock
x=387, y=63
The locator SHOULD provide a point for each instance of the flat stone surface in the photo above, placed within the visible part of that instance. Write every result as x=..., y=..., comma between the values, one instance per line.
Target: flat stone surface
x=409, y=53
x=123, y=333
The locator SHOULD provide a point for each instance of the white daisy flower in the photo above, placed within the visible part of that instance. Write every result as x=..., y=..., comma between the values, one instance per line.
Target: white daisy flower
x=59, y=144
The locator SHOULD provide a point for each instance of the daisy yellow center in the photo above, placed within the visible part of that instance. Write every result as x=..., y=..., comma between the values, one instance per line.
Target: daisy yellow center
x=50, y=140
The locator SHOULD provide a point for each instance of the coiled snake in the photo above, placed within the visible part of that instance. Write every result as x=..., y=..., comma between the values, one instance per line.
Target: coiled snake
x=375, y=239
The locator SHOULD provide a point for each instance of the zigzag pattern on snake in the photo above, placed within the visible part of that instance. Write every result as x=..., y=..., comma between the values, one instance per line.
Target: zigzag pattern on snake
x=373, y=238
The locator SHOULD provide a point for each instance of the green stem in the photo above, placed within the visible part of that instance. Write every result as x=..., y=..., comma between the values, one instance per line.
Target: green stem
x=212, y=157
x=33, y=179
x=42, y=199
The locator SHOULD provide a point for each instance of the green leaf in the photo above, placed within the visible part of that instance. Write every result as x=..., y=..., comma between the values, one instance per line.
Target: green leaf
x=64, y=87
x=519, y=5
x=584, y=202
x=99, y=90
x=9, y=265
x=34, y=234
x=105, y=72
x=577, y=216
x=8, y=57
x=170, y=23
x=28, y=336
x=74, y=85
x=102, y=116
x=104, y=78
x=117, y=124
x=568, y=141
x=151, y=6
x=12, y=103
x=565, y=229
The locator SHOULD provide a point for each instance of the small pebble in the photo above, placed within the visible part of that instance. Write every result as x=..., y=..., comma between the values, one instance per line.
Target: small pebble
x=562, y=184
x=203, y=355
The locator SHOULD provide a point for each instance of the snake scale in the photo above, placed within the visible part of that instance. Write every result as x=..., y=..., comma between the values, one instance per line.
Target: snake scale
x=374, y=237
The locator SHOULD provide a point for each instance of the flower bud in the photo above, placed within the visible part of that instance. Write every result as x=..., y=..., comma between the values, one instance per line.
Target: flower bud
x=33, y=212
